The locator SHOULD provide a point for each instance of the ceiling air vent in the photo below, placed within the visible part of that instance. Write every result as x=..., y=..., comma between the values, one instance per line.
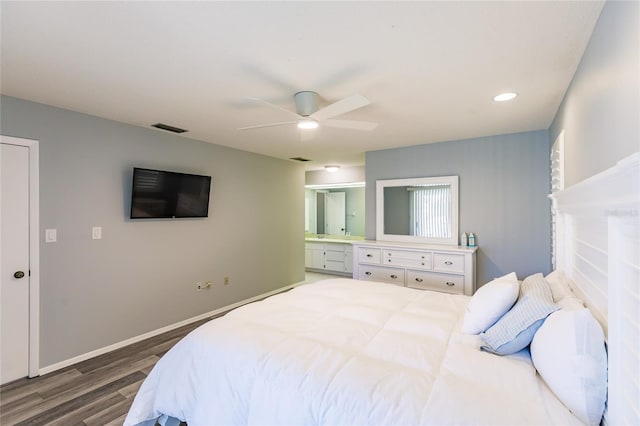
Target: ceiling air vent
x=168, y=128
x=299, y=159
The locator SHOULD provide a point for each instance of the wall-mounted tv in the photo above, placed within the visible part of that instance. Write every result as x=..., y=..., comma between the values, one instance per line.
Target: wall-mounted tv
x=163, y=194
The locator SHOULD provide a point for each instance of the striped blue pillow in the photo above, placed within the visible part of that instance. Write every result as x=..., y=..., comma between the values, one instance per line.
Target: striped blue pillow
x=515, y=330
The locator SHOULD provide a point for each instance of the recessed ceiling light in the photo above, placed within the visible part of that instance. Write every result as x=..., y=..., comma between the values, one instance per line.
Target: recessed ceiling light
x=505, y=96
x=307, y=123
x=331, y=168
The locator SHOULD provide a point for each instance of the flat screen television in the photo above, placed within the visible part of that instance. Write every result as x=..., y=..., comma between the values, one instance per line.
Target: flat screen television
x=163, y=194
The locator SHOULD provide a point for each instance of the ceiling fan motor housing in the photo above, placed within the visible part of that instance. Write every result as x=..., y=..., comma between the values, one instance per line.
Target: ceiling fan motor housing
x=306, y=103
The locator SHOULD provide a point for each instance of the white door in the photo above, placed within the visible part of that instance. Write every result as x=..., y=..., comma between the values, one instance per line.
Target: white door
x=335, y=213
x=14, y=268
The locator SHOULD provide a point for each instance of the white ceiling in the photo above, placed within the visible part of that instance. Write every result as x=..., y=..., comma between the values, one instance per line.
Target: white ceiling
x=430, y=69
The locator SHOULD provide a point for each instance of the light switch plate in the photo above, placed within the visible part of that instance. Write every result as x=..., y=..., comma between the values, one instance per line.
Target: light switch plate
x=50, y=235
x=96, y=232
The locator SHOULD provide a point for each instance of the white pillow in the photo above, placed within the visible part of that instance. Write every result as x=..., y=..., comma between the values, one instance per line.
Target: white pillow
x=490, y=303
x=559, y=284
x=570, y=303
x=569, y=352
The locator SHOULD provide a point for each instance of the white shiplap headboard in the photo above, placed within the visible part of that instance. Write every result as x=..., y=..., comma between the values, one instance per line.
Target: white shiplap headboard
x=598, y=247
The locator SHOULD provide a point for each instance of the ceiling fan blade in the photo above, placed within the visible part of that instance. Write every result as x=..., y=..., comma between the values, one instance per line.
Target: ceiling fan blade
x=266, y=125
x=341, y=107
x=350, y=124
x=274, y=106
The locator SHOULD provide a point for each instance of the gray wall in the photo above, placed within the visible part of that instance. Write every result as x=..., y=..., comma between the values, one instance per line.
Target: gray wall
x=343, y=175
x=141, y=276
x=504, y=182
x=600, y=113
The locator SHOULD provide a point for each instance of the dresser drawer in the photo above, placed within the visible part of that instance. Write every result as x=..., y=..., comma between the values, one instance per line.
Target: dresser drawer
x=406, y=254
x=448, y=262
x=387, y=275
x=332, y=265
x=432, y=281
x=334, y=247
x=411, y=259
x=334, y=256
x=408, y=263
x=369, y=255
x=348, y=261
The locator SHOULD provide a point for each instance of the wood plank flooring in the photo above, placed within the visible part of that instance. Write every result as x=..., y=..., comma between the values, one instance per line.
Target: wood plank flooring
x=95, y=392
x=98, y=391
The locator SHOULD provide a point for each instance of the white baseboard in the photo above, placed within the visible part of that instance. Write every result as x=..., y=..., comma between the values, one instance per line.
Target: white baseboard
x=101, y=351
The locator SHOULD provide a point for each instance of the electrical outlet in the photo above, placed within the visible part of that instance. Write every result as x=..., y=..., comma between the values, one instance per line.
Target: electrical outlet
x=226, y=280
x=203, y=285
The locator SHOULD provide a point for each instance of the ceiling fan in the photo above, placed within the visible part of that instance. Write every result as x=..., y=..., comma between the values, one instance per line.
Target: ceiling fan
x=309, y=116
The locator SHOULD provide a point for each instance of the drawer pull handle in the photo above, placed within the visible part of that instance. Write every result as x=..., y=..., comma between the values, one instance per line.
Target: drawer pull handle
x=448, y=262
x=388, y=260
x=419, y=280
x=450, y=284
x=369, y=255
x=367, y=273
x=422, y=257
x=394, y=276
x=422, y=263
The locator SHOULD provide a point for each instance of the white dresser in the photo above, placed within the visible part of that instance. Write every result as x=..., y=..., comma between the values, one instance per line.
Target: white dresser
x=450, y=269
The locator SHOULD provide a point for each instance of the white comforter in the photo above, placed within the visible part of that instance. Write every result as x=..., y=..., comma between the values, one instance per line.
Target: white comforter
x=343, y=352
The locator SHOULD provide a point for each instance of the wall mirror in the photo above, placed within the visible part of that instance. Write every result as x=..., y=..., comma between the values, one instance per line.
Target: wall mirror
x=421, y=210
x=335, y=209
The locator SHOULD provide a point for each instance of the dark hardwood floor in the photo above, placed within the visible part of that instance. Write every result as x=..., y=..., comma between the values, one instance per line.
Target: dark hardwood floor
x=98, y=391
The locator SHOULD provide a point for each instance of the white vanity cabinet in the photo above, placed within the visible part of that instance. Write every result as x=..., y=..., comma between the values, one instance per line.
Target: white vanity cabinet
x=314, y=255
x=449, y=269
x=331, y=257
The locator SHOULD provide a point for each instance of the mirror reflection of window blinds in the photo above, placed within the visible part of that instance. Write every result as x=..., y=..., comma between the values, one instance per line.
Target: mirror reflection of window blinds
x=149, y=181
x=430, y=210
x=556, y=166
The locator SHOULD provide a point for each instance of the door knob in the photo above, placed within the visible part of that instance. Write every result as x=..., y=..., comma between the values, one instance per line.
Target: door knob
x=18, y=274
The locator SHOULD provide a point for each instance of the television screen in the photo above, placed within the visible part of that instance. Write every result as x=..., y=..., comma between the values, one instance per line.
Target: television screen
x=162, y=194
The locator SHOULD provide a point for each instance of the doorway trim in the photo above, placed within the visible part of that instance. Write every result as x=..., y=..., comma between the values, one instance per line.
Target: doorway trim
x=34, y=248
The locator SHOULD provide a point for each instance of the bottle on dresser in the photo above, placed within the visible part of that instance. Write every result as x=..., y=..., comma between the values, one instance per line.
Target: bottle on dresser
x=464, y=239
x=472, y=240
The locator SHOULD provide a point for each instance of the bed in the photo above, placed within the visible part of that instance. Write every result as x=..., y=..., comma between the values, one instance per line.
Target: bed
x=344, y=351
x=348, y=352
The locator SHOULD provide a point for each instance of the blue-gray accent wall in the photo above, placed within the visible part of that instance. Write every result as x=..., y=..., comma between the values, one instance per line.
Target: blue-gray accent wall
x=504, y=183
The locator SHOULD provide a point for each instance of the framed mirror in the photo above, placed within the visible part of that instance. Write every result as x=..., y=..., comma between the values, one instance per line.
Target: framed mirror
x=420, y=210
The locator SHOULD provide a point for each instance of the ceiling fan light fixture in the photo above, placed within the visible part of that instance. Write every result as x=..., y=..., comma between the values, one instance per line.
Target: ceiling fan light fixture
x=307, y=123
x=507, y=96
x=332, y=168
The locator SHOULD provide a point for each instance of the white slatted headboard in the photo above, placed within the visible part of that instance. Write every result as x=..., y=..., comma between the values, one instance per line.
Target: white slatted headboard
x=598, y=247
